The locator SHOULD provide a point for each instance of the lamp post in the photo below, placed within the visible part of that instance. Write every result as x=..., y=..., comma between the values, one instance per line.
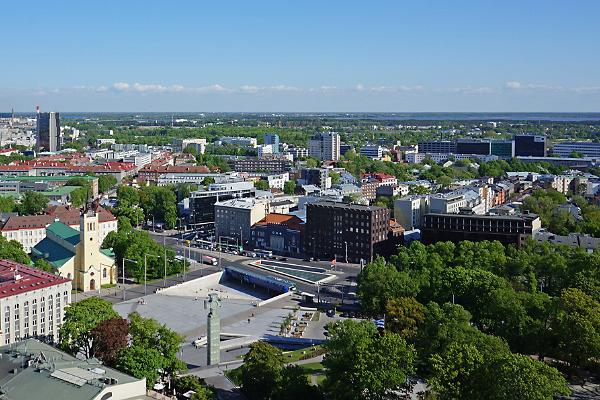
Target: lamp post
x=123, y=272
x=146, y=270
x=165, y=248
x=346, y=244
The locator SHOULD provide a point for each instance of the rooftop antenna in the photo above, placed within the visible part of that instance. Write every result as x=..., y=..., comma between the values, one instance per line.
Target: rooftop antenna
x=172, y=120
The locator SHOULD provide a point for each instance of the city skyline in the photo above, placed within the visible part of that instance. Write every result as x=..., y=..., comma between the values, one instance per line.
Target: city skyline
x=350, y=56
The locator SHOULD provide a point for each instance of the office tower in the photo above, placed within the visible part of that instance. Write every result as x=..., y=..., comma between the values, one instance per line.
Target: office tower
x=471, y=146
x=49, y=137
x=441, y=147
x=273, y=140
x=325, y=146
x=503, y=148
x=530, y=145
x=345, y=231
x=567, y=149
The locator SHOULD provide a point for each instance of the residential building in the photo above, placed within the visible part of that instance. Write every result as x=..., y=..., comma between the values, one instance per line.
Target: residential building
x=567, y=149
x=234, y=218
x=530, y=145
x=273, y=140
x=33, y=370
x=298, y=152
x=48, y=134
x=442, y=146
x=374, y=152
x=276, y=181
x=275, y=164
x=151, y=173
x=325, y=146
x=77, y=254
x=569, y=162
x=202, y=202
x=32, y=303
x=344, y=148
x=315, y=176
x=508, y=229
x=239, y=141
x=264, y=150
x=29, y=230
x=138, y=159
x=369, y=190
x=409, y=210
x=199, y=144
x=280, y=233
x=344, y=231
x=102, y=141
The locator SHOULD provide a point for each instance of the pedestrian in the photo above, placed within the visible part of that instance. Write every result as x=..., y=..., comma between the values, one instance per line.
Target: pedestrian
x=248, y=320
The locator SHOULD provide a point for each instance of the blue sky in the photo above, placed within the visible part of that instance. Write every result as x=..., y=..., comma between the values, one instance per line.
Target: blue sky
x=301, y=55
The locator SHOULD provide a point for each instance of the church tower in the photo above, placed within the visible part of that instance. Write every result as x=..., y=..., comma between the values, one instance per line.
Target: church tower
x=90, y=249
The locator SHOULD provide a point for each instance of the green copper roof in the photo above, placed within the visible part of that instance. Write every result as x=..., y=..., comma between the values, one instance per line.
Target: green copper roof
x=46, y=178
x=64, y=232
x=108, y=252
x=52, y=252
x=60, y=191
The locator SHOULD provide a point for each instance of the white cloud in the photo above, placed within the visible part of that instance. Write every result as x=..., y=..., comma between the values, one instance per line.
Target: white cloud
x=513, y=85
x=121, y=86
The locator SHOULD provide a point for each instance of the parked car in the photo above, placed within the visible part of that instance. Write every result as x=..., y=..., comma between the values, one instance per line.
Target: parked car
x=282, y=259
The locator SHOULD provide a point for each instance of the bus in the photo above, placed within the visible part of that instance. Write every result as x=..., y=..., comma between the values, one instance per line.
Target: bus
x=263, y=253
x=209, y=260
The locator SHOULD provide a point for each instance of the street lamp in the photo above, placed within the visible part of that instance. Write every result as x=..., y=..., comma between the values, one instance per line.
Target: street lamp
x=123, y=277
x=346, y=243
x=146, y=270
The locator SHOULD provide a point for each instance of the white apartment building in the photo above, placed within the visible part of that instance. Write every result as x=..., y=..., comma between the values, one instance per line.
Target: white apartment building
x=298, y=152
x=409, y=210
x=325, y=146
x=586, y=149
x=239, y=140
x=277, y=181
x=32, y=302
x=264, y=149
x=199, y=144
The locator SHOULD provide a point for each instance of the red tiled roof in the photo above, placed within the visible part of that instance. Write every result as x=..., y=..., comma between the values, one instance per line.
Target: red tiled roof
x=15, y=168
x=164, y=169
x=291, y=221
x=30, y=279
x=67, y=215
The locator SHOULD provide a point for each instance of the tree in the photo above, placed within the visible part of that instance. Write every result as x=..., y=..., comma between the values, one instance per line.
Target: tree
x=289, y=187
x=380, y=282
x=7, y=204
x=295, y=386
x=110, y=336
x=79, y=321
x=140, y=362
x=32, y=203
x=128, y=196
x=577, y=326
x=184, y=384
x=335, y=177
x=362, y=364
x=13, y=250
x=105, y=182
x=404, y=315
x=418, y=189
x=44, y=265
x=190, y=149
x=454, y=372
x=79, y=196
x=261, y=372
x=208, y=180
x=311, y=162
x=261, y=184
x=464, y=372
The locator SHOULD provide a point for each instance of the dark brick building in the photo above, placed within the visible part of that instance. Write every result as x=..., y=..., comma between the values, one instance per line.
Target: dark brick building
x=508, y=229
x=332, y=229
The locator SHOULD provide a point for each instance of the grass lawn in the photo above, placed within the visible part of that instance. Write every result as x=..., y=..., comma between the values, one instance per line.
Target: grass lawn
x=292, y=356
x=235, y=376
x=312, y=367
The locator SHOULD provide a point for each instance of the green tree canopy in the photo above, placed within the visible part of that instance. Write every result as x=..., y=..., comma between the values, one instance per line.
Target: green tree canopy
x=32, y=203
x=80, y=319
x=362, y=364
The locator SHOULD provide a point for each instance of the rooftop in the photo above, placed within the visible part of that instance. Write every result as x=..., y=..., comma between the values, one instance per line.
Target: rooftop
x=334, y=204
x=17, y=278
x=67, y=215
x=64, y=232
x=291, y=221
x=54, y=374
